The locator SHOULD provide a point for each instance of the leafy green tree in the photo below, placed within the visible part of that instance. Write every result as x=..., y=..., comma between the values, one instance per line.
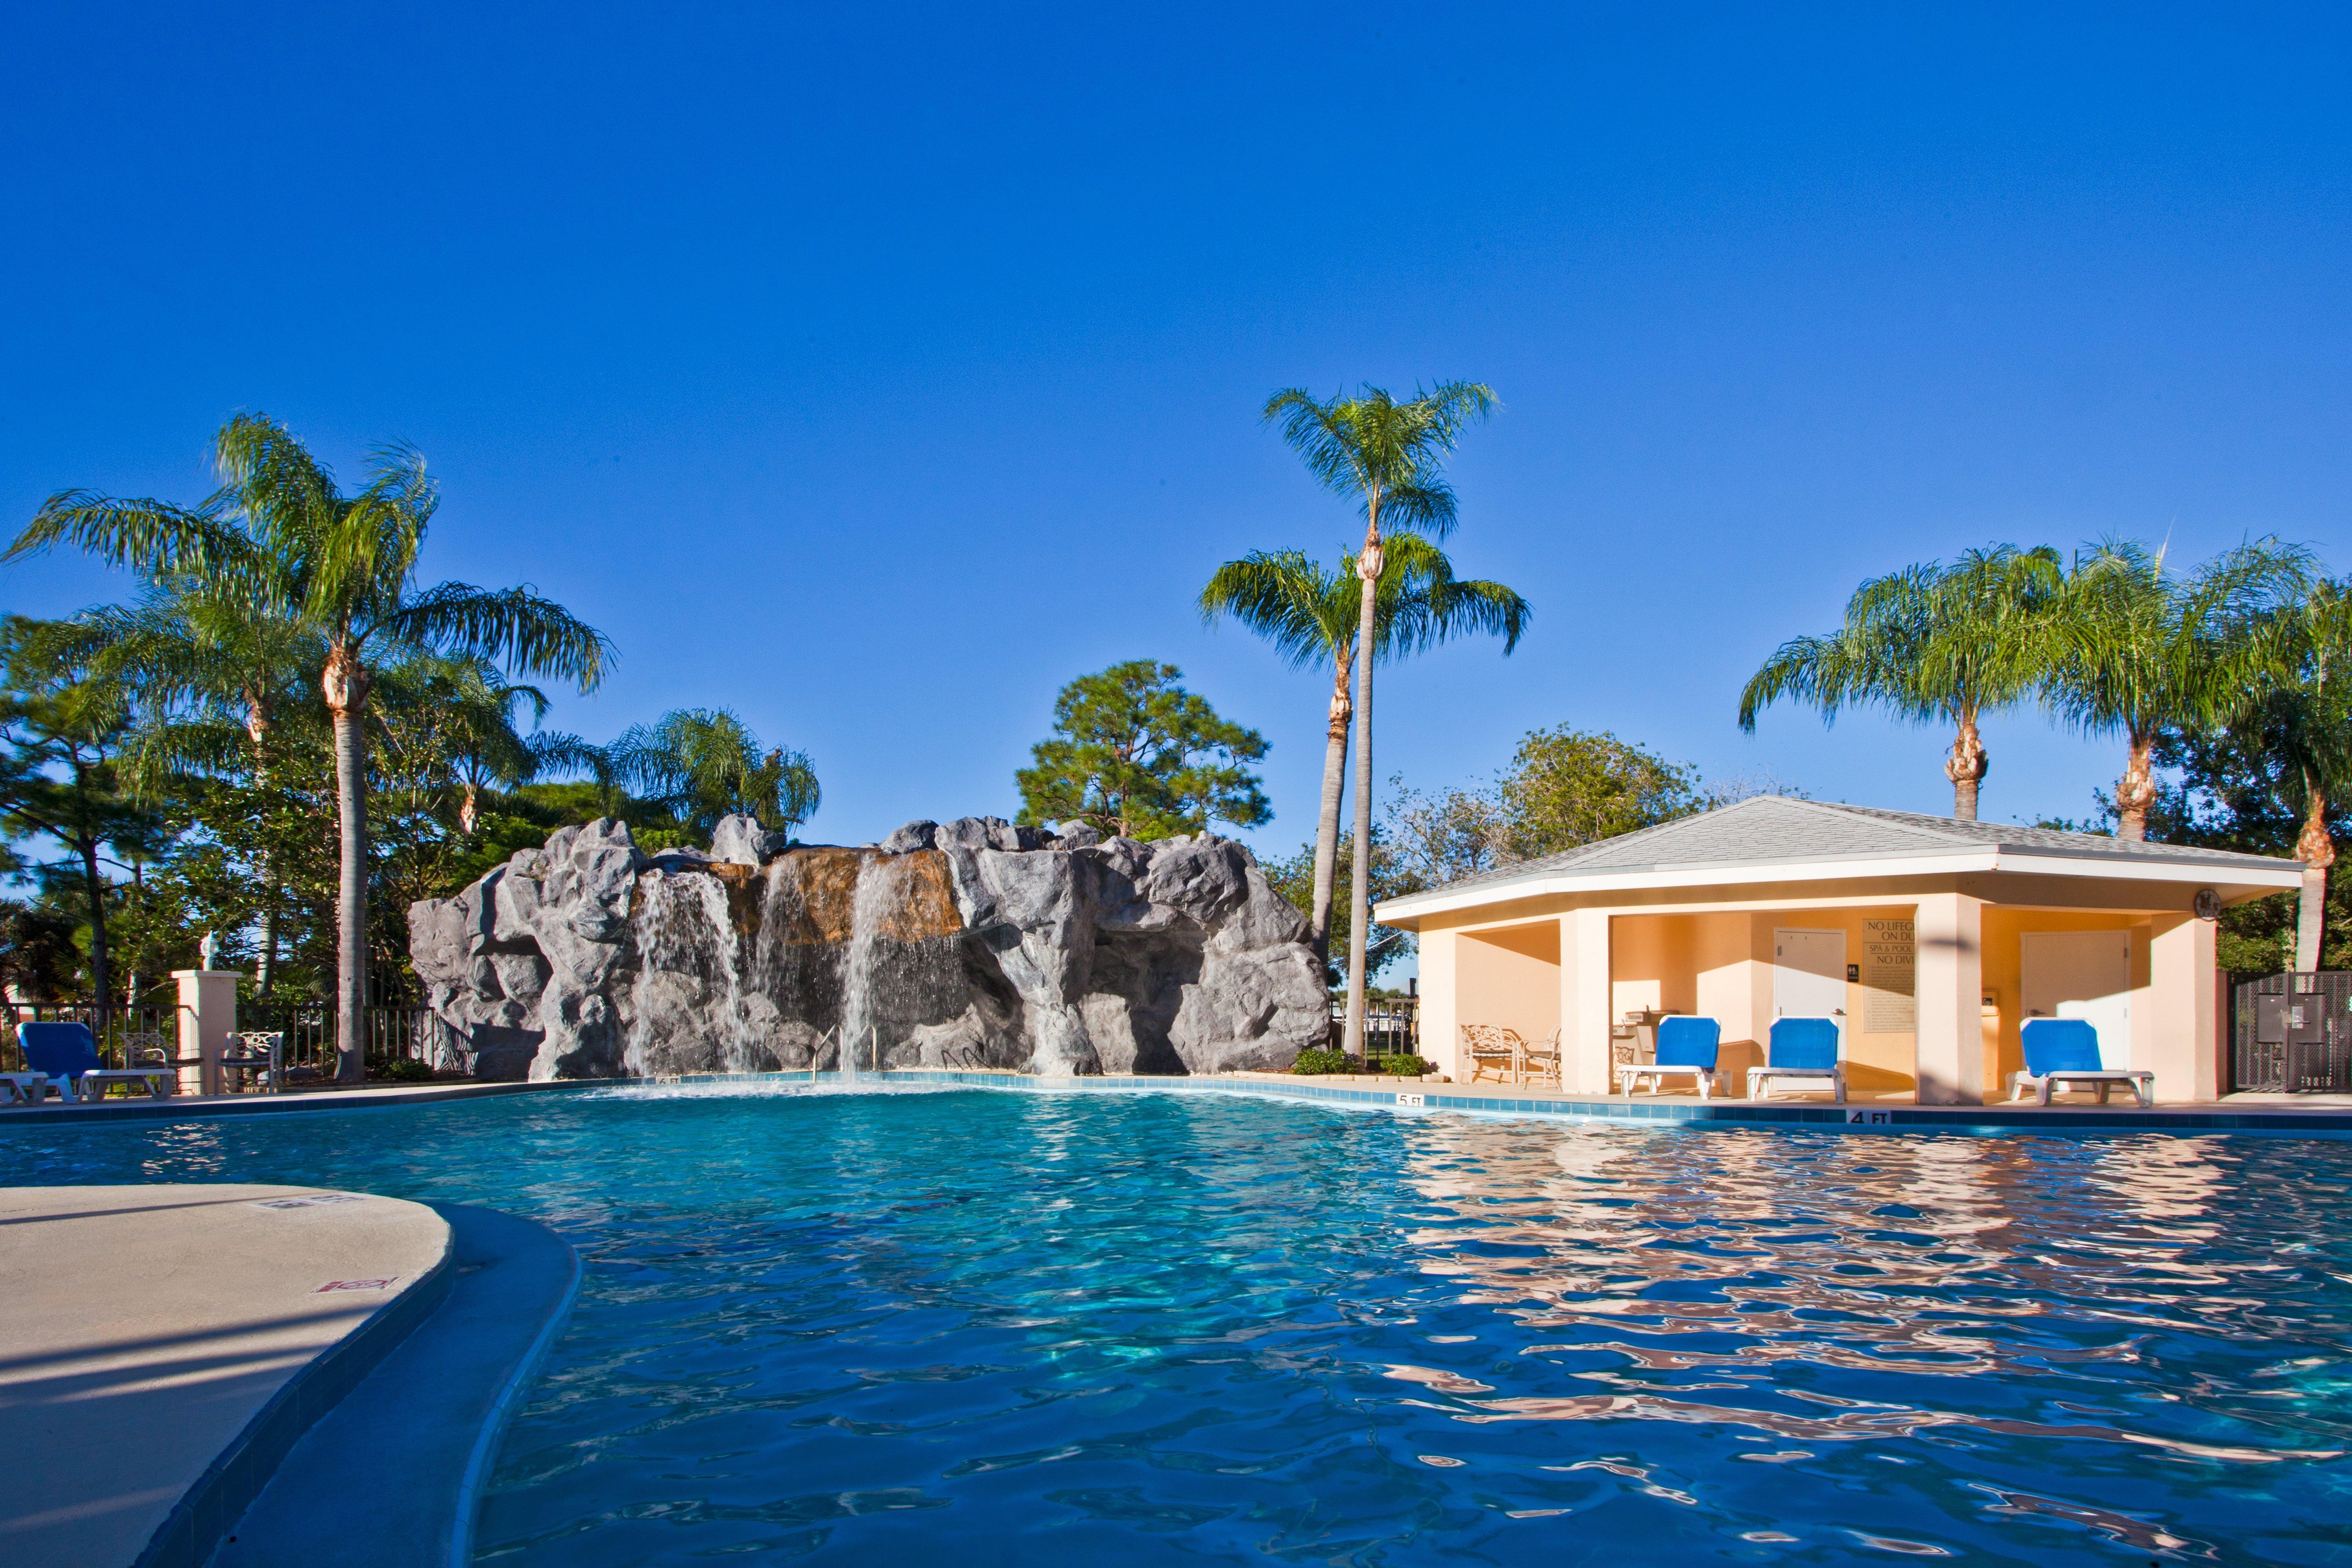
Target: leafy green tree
x=1566, y=788
x=347, y=565
x=702, y=764
x=1309, y=614
x=1393, y=877
x=1134, y=755
x=61, y=733
x=2130, y=646
x=1385, y=454
x=218, y=662
x=1929, y=644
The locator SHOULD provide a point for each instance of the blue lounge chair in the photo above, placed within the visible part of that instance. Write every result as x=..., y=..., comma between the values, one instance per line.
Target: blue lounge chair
x=1686, y=1045
x=67, y=1055
x=1805, y=1048
x=2066, y=1051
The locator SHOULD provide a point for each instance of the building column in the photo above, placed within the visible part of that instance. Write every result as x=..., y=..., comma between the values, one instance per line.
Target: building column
x=1440, y=1003
x=207, y=1020
x=2185, y=1047
x=1949, y=986
x=1584, y=1001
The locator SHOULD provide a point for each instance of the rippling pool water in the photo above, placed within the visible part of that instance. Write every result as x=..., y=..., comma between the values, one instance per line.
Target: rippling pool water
x=1041, y=1329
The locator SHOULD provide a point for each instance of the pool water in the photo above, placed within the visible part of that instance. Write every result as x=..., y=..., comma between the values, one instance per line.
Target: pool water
x=984, y=1328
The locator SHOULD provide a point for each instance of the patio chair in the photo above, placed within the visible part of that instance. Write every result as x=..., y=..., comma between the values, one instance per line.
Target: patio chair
x=67, y=1054
x=263, y=1053
x=32, y=1087
x=1492, y=1048
x=1540, y=1061
x=1805, y=1050
x=1687, y=1045
x=2066, y=1051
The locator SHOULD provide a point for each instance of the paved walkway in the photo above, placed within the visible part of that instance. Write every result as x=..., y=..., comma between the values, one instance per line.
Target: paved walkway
x=162, y=1346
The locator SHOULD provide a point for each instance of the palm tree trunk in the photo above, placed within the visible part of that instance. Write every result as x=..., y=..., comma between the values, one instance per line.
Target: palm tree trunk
x=257, y=727
x=1327, y=823
x=2136, y=790
x=2317, y=850
x=1966, y=766
x=345, y=685
x=94, y=886
x=1359, y=918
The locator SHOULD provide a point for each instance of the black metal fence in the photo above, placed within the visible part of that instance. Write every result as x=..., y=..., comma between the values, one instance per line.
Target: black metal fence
x=1392, y=1027
x=391, y=1033
x=2292, y=1033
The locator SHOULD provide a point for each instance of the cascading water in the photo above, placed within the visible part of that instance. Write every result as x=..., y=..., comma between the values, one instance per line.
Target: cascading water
x=869, y=908
x=689, y=959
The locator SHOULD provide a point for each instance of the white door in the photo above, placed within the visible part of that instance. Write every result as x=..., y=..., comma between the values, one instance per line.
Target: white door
x=2081, y=975
x=1808, y=975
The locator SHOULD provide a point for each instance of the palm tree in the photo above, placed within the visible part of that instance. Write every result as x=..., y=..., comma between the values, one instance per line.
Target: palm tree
x=1932, y=643
x=216, y=659
x=2132, y=647
x=702, y=764
x=2302, y=725
x=1386, y=454
x=347, y=566
x=458, y=729
x=1309, y=614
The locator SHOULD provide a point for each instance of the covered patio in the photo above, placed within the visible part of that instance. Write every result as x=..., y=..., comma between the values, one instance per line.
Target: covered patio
x=1929, y=939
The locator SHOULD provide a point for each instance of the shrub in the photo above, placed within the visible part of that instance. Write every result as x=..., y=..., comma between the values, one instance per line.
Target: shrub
x=404, y=1070
x=1311, y=1062
x=1407, y=1066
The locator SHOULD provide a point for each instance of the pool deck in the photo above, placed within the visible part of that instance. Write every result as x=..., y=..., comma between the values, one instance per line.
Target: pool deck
x=165, y=1346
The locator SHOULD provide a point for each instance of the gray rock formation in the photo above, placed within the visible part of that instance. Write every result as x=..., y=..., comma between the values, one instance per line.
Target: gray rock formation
x=975, y=942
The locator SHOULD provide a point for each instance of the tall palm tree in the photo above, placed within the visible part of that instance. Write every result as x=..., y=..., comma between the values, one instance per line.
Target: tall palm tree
x=2302, y=725
x=216, y=659
x=1931, y=642
x=1309, y=614
x=1385, y=454
x=702, y=764
x=2132, y=646
x=348, y=566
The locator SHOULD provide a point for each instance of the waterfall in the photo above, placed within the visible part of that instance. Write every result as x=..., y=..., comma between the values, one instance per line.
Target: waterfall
x=869, y=908
x=683, y=929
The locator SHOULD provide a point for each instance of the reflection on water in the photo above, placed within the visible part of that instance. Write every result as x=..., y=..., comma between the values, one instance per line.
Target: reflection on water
x=1048, y=1329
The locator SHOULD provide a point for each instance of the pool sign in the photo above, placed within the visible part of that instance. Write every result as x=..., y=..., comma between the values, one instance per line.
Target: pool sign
x=1413, y=1100
x=312, y=1201
x=1865, y=1118
x=383, y=1284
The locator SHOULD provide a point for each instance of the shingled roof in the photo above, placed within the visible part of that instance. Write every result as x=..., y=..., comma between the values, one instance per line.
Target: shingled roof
x=1768, y=827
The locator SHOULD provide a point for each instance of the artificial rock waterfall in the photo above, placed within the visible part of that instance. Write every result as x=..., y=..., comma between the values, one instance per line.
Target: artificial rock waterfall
x=974, y=943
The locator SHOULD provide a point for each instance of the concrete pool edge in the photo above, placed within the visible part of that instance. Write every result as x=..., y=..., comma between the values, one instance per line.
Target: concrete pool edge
x=1817, y=1116
x=1411, y=1095
x=424, y=1426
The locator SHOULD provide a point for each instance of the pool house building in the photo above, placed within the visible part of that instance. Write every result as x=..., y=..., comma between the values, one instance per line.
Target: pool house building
x=1931, y=940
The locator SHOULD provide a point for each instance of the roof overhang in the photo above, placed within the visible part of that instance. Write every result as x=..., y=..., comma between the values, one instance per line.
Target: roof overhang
x=2236, y=880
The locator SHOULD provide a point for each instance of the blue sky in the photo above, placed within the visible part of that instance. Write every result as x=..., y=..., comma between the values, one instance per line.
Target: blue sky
x=874, y=371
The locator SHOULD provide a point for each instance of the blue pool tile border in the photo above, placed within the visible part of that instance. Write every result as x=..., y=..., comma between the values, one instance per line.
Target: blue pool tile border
x=1852, y=1118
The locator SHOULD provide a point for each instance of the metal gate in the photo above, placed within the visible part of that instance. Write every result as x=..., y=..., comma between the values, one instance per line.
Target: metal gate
x=2292, y=1033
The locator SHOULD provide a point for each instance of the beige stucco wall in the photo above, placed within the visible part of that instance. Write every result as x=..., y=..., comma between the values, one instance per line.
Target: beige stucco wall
x=1709, y=951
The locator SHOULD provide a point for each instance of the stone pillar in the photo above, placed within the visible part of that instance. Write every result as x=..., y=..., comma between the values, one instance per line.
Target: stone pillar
x=1584, y=1001
x=2185, y=1048
x=1440, y=1004
x=1949, y=988
x=207, y=1020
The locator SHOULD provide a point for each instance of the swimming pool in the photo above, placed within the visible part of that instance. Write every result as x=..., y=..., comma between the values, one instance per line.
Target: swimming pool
x=1046, y=1329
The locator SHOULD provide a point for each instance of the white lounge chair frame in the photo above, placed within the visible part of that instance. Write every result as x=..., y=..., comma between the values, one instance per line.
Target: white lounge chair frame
x=1652, y=1072
x=30, y=1087
x=2139, y=1080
